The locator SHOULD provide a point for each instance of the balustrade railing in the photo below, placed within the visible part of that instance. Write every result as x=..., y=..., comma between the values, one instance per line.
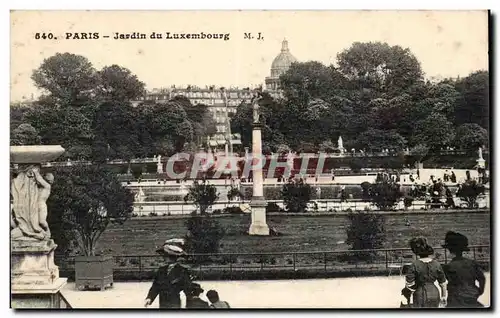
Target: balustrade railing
x=232, y=265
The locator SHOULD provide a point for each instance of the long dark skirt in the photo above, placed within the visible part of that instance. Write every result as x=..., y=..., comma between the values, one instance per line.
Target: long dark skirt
x=426, y=296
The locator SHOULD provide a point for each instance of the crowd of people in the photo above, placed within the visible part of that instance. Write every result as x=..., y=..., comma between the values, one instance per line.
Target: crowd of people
x=461, y=281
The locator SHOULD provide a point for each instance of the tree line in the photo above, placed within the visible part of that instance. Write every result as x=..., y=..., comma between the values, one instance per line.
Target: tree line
x=376, y=98
x=89, y=112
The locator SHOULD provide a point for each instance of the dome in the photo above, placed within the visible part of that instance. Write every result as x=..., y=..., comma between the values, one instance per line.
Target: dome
x=282, y=62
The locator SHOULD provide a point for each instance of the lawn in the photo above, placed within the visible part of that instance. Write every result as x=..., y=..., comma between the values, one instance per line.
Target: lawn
x=140, y=236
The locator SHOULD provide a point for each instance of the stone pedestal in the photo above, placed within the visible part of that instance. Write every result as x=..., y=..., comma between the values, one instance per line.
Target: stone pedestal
x=259, y=224
x=258, y=203
x=35, y=281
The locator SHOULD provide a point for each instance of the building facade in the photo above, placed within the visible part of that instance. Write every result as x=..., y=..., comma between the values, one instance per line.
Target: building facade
x=222, y=102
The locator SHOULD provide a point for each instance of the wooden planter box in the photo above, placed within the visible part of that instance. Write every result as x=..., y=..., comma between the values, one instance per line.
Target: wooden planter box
x=93, y=272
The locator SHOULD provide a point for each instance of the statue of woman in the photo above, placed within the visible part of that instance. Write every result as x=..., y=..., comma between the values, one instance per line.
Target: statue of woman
x=256, y=106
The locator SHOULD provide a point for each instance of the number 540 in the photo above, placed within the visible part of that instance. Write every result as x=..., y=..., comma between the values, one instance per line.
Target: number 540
x=44, y=36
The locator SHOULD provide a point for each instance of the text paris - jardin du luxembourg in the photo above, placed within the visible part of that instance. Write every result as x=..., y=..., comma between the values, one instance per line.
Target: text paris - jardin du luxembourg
x=171, y=36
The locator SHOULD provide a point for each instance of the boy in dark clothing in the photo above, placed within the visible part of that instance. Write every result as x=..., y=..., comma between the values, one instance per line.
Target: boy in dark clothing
x=170, y=279
x=193, y=300
x=216, y=303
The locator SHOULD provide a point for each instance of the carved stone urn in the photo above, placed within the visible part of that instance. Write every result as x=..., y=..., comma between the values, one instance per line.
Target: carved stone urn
x=35, y=281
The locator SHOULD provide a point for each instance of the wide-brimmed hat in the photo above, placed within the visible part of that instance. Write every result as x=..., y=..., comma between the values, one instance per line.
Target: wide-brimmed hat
x=456, y=241
x=171, y=248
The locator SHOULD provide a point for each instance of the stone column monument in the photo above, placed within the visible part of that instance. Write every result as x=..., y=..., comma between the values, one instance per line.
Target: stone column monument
x=258, y=203
x=35, y=281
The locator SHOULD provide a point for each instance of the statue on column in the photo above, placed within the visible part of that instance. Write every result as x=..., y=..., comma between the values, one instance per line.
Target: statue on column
x=255, y=106
x=30, y=192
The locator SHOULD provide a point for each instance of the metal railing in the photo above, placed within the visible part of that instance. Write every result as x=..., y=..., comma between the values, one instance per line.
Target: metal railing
x=322, y=262
x=166, y=208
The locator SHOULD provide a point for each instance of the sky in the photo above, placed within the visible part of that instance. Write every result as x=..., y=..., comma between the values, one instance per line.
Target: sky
x=447, y=43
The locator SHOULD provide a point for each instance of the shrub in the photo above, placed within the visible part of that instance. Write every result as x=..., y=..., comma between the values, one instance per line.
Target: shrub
x=385, y=194
x=233, y=210
x=296, y=194
x=365, y=231
x=234, y=193
x=356, y=165
x=272, y=193
x=469, y=191
x=217, y=211
x=408, y=200
x=202, y=194
x=204, y=234
x=273, y=207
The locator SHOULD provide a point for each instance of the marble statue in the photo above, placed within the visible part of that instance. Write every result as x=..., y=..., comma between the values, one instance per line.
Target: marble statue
x=30, y=192
x=480, y=153
x=255, y=107
x=341, y=143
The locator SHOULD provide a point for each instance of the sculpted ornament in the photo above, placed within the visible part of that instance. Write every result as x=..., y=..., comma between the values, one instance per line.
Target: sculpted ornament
x=30, y=191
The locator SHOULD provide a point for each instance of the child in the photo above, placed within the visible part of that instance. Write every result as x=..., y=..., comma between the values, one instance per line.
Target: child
x=213, y=297
x=193, y=299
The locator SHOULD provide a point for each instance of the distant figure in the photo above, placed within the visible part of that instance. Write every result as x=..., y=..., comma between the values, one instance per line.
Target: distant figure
x=418, y=174
x=462, y=274
x=453, y=177
x=467, y=175
x=421, y=276
x=343, y=194
x=215, y=301
x=193, y=300
x=449, y=198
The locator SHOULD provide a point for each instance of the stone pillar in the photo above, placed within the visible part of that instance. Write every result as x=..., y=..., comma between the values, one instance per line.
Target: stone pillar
x=35, y=281
x=258, y=203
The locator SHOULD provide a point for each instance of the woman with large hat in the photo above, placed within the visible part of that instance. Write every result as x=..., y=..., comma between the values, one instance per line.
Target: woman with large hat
x=422, y=275
x=462, y=274
x=172, y=278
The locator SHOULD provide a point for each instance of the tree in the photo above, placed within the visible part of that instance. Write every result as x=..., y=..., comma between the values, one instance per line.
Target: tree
x=85, y=200
x=116, y=83
x=435, y=131
x=115, y=126
x=296, y=194
x=17, y=115
x=470, y=137
x=365, y=231
x=380, y=67
x=67, y=127
x=385, y=194
x=69, y=78
x=420, y=151
x=473, y=105
x=25, y=134
x=469, y=191
x=203, y=195
x=306, y=81
x=378, y=140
